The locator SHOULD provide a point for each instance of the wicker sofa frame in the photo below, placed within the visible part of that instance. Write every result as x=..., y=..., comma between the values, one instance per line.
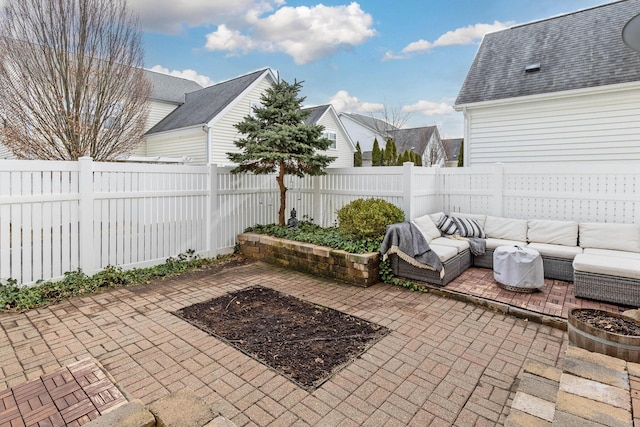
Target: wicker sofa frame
x=453, y=267
x=618, y=290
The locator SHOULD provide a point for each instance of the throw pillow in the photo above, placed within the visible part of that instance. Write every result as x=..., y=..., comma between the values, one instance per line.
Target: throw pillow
x=468, y=227
x=447, y=226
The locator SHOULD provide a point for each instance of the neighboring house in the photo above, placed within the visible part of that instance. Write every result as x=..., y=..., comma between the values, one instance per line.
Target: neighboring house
x=203, y=127
x=564, y=89
x=423, y=140
x=451, y=151
x=343, y=147
x=364, y=129
x=167, y=94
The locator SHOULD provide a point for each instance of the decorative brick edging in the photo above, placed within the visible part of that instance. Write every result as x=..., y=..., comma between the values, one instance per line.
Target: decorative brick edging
x=357, y=269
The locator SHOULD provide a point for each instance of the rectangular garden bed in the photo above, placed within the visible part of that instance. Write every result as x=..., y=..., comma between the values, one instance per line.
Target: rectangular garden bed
x=357, y=269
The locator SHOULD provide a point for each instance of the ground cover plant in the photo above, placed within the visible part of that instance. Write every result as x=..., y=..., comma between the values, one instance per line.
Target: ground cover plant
x=361, y=228
x=76, y=283
x=305, y=342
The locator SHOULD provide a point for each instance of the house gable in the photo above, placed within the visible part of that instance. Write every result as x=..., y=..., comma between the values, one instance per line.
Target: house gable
x=578, y=50
x=364, y=130
x=419, y=140
x=206, y=105
x=327, y=116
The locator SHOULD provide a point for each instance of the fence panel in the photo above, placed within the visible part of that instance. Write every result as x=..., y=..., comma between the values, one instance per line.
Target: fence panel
x=144, y=214
x=60, y=216
x=38, y=219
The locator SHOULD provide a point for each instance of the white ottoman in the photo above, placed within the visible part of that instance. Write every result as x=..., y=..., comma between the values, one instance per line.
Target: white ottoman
x=518, y=269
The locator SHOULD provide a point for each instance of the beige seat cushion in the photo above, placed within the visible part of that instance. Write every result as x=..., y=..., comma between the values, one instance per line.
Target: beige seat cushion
x=460, y=245
x=494, y=243
x=619, y=237
x=445, y=253
x=556, y=251
x=506, y=228
x=610, y=266
x=552, y=232
x=427, y=227
x=610, y=252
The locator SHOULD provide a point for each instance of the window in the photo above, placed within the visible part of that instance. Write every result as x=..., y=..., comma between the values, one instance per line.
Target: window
x=331, y=136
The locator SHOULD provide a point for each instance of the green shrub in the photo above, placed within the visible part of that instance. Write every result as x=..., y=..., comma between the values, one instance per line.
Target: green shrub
x=367, y=218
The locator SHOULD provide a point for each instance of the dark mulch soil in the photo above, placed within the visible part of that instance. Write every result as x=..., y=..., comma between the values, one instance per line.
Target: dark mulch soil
x=305, y=342
x=602, y=320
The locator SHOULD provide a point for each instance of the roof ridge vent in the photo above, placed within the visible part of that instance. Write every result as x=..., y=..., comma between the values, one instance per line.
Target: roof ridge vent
x=532, y=68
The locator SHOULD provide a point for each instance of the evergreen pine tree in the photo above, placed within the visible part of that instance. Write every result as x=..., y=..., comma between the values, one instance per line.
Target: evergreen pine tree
x=418, y=160
x=357, y=156
x=390, y=153
x=461, y=155
x=277, y=139
x=376, y=154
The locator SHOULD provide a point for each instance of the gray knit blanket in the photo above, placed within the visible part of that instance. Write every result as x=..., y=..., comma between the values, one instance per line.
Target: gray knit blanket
x=405, y=240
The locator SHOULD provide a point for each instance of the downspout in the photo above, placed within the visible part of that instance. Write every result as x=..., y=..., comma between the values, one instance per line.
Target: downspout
x=207, y=129
x=467, y=139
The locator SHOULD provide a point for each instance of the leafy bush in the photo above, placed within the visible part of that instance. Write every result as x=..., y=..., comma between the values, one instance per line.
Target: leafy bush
x=367, y=218
x=312, y=233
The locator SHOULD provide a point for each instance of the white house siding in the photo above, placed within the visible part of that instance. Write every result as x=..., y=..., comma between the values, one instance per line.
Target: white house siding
x=158, y=110
x=343, y=151
x=361, y=134
x=223, y=133
x=183, y=142
x=5, y=153
x=582, y=126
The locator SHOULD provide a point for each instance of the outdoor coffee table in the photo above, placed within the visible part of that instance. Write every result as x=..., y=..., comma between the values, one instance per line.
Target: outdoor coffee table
x=518, y=268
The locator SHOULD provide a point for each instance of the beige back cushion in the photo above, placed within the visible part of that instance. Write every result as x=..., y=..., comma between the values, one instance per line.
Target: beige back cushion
x=479, y=218
x=427, y=227
x=553, y=232
x=621, y=237
x=506, y=228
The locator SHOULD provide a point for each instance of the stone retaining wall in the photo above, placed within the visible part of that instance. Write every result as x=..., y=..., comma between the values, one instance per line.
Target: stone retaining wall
x=357, y=269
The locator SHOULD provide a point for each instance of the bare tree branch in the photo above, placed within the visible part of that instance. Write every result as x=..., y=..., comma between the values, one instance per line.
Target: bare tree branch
x=71, y=79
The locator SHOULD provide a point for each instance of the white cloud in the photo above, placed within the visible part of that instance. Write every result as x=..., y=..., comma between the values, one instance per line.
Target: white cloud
x=304, y=33
x=229, y=40
x=202, y=80
x=343, y=102
x=389, y=56
x=169, y=16
x=429, y=108
x=461, y=36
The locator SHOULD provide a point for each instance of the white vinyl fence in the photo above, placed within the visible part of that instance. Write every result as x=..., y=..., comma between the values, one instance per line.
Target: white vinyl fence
x=60, y=216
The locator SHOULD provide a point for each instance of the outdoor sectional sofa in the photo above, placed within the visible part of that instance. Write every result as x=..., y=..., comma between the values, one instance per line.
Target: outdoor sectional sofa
x=602, y=259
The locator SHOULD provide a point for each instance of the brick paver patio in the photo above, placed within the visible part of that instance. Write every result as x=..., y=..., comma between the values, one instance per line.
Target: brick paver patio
x=446, y=362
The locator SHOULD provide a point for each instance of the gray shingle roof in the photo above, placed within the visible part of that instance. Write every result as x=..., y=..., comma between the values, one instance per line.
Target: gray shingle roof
x=203, y=105
x=372, y=123
x=579, y=50
x=414, y=139
x=452, y=148
x=316, y=113
x=170, y=88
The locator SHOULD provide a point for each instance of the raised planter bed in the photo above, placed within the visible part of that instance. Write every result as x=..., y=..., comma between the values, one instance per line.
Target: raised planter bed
x=357, y=269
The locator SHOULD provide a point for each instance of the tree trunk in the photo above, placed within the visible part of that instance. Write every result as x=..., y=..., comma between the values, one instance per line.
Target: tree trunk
x=283, y=194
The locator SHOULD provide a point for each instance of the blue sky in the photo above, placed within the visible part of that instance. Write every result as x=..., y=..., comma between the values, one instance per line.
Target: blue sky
x=406, y=57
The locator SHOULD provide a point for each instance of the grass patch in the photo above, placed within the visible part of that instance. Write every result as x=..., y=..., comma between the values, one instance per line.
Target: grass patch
x=76, y=283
